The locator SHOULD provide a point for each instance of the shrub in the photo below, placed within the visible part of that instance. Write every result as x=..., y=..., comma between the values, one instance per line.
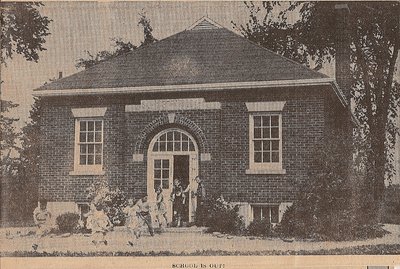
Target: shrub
x=260, y=228
x=391, y=210
x=112, y=200
x=67, y=222
x=221, y=216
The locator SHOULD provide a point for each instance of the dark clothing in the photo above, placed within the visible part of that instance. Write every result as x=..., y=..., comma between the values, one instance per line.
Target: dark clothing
x=147, y=219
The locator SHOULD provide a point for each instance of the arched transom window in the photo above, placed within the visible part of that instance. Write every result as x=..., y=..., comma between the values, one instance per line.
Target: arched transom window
x=173, y=140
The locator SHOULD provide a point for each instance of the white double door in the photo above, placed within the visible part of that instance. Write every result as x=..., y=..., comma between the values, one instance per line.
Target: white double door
x=162, y=168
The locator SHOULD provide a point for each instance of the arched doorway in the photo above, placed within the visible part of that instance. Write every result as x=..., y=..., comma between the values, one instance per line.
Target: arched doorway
x=173, y=153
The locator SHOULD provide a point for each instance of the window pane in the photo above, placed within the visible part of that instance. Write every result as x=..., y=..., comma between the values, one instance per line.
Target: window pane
x=98, y=159
x=275, y=132
x=266, y=121
x=157, y=173
x=275, y=214
x=177, y=146
x=97, y=149
x=275, y=121
x=257, y=121
x=265, y=212
x=185, y=146
x=257, y=145
x=90, y=126
x=82, y=126
x=163, y=137
x=162, y=146
x=90, y=159
x=98, y=126
x=266, y=133
x=82, y=160
x=90, y=148
x=257, y=157
x=157, y=163
x=155, y=147
x=177, y=136
x=185, y=137
x=170, y=136
x=165, y=184
x=97, y=137
x=157, y=183
x=275, y=144
x=256, y=213
x=170, y=146
x=257, y=132
x=266, y=146
x=83, y=148
x=165, y=163
x=266, y=157
x=82, y=137
x=275, y=157
x=165, y=173
x=90, y=137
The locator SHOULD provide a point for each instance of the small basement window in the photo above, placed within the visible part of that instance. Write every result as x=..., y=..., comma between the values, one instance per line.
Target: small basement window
x=271, y=212
x=83, y=208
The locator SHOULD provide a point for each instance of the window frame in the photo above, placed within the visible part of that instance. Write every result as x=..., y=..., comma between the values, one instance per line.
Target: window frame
x=87, y=169
x=270, y=209
x=271, y=167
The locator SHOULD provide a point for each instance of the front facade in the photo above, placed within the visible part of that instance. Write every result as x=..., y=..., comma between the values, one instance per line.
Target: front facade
x=204, y=102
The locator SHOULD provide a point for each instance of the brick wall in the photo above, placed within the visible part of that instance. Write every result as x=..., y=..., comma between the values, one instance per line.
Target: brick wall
x=223, y=133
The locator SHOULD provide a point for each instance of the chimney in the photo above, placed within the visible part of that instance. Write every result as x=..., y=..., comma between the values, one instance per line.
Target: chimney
x=342, y=59
x=60, y=75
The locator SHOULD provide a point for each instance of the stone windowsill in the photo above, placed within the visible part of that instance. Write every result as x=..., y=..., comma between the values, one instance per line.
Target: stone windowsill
x=265, y=171
x=87, y=173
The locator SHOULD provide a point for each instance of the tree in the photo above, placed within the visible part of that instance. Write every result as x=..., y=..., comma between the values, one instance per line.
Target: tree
x=23, y=30
x=120, y=46
x=374, y=46
x=147, y=30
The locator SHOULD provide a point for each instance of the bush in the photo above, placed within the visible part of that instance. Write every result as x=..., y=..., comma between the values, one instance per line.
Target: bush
x=260, y=228
x=333, y=203
x=221, y=216
x=67, y=222
x=112, y=200
x=391, y=207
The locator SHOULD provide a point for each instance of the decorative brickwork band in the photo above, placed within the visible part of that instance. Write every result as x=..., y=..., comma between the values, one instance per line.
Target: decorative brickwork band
x=165, y=121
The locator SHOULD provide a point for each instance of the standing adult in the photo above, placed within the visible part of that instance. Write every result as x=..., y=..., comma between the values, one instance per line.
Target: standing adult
x=200, y=194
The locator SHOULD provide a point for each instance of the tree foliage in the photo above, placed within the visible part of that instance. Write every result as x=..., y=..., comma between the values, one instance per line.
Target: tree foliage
x=23, y=30
x=120, y=46
x=374, y=46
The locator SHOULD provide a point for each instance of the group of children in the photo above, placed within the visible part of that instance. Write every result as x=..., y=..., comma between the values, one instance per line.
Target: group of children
x=138, y=215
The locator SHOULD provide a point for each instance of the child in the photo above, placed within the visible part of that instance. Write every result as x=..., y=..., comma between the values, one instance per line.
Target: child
x=161, y=207
x=100, y=224
x=42, y=219
x=144, y=213
x=133, y=222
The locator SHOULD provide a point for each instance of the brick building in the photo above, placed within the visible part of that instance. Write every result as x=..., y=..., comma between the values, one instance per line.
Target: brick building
x=202, y=102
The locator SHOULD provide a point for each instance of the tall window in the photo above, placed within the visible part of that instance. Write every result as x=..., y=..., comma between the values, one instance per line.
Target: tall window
x=89, y=144
x=265, y=141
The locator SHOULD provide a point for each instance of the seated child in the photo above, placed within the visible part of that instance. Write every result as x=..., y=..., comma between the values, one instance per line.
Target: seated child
x=100, y=224
x=42, y=219
x=133, y=223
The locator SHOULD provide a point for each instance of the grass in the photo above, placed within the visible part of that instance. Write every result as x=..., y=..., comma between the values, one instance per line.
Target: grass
x=381, y=249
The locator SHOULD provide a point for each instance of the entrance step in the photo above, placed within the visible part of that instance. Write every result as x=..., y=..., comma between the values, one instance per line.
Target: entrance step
x=185, y=230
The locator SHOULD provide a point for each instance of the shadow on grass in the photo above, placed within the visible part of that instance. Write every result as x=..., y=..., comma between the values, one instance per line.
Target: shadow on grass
x=381, y=249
